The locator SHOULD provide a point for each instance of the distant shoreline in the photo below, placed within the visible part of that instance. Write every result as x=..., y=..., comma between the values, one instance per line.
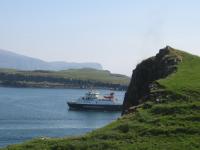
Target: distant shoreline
x=74, y=78
x=63, y=87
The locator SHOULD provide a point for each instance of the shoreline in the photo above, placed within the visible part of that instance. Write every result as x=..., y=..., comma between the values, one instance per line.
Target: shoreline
x=78, y=88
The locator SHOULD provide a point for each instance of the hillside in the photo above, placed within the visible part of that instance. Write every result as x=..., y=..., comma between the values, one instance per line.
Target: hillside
x=12, y=60
x=72, y=78
x=166, y=115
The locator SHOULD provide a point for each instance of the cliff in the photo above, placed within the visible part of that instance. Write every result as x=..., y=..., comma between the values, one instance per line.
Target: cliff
x=146, y=73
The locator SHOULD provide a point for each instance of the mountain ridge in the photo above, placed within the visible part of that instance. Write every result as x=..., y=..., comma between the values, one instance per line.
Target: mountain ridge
x=12, y=60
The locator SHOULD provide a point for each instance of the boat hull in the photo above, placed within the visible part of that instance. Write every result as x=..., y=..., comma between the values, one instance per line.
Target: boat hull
x=76, y=106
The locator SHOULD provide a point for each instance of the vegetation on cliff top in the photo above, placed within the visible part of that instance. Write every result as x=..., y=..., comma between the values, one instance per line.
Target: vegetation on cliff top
x=186, y=81
x=170, y=124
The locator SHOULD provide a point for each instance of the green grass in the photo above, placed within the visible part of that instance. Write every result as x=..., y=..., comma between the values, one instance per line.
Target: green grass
x=92, y=74
x=186, y=80
x=172, y=124
x=163, y=126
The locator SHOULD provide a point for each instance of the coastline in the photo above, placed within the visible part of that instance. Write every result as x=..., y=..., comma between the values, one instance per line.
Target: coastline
x=122, y=88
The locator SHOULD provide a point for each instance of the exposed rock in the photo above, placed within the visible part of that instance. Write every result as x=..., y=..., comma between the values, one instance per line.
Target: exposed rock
x=145, y=75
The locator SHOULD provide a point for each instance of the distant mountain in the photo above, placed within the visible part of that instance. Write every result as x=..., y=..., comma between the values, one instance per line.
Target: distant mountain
x=12, y=60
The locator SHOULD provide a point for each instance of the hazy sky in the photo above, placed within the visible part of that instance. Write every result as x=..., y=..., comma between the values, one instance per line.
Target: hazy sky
x=116, y=33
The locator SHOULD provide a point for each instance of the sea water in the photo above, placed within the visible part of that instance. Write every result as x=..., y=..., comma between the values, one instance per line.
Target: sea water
x=27, y=113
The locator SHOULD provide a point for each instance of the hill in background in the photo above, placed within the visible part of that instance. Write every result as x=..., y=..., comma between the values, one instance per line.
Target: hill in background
x=72, y=78
x=16, y=61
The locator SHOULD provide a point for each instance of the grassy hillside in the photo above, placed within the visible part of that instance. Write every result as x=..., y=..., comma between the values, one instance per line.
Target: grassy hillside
x=187, y=80
x=76, y=77
x=154, y=125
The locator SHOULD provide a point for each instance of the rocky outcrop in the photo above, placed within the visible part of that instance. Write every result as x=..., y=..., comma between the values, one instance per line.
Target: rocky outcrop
x=145, y=75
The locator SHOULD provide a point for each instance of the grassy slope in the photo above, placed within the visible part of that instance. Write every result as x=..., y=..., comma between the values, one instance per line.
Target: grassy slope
x=77, y=74
x=173, y=124
x=187, y=80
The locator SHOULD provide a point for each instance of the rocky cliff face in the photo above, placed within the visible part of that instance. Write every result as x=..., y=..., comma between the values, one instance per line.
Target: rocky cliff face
x=145, y=75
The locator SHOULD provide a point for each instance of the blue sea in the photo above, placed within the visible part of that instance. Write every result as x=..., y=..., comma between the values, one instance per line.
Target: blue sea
x=27, y=113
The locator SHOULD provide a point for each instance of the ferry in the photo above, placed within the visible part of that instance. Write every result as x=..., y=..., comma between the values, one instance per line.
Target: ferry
x=94, y=101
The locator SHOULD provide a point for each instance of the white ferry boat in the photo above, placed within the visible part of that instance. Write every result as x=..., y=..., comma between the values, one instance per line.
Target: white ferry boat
x=94, y=101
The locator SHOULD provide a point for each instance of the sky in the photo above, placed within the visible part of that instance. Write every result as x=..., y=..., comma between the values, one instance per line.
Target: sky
x=115, y=33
